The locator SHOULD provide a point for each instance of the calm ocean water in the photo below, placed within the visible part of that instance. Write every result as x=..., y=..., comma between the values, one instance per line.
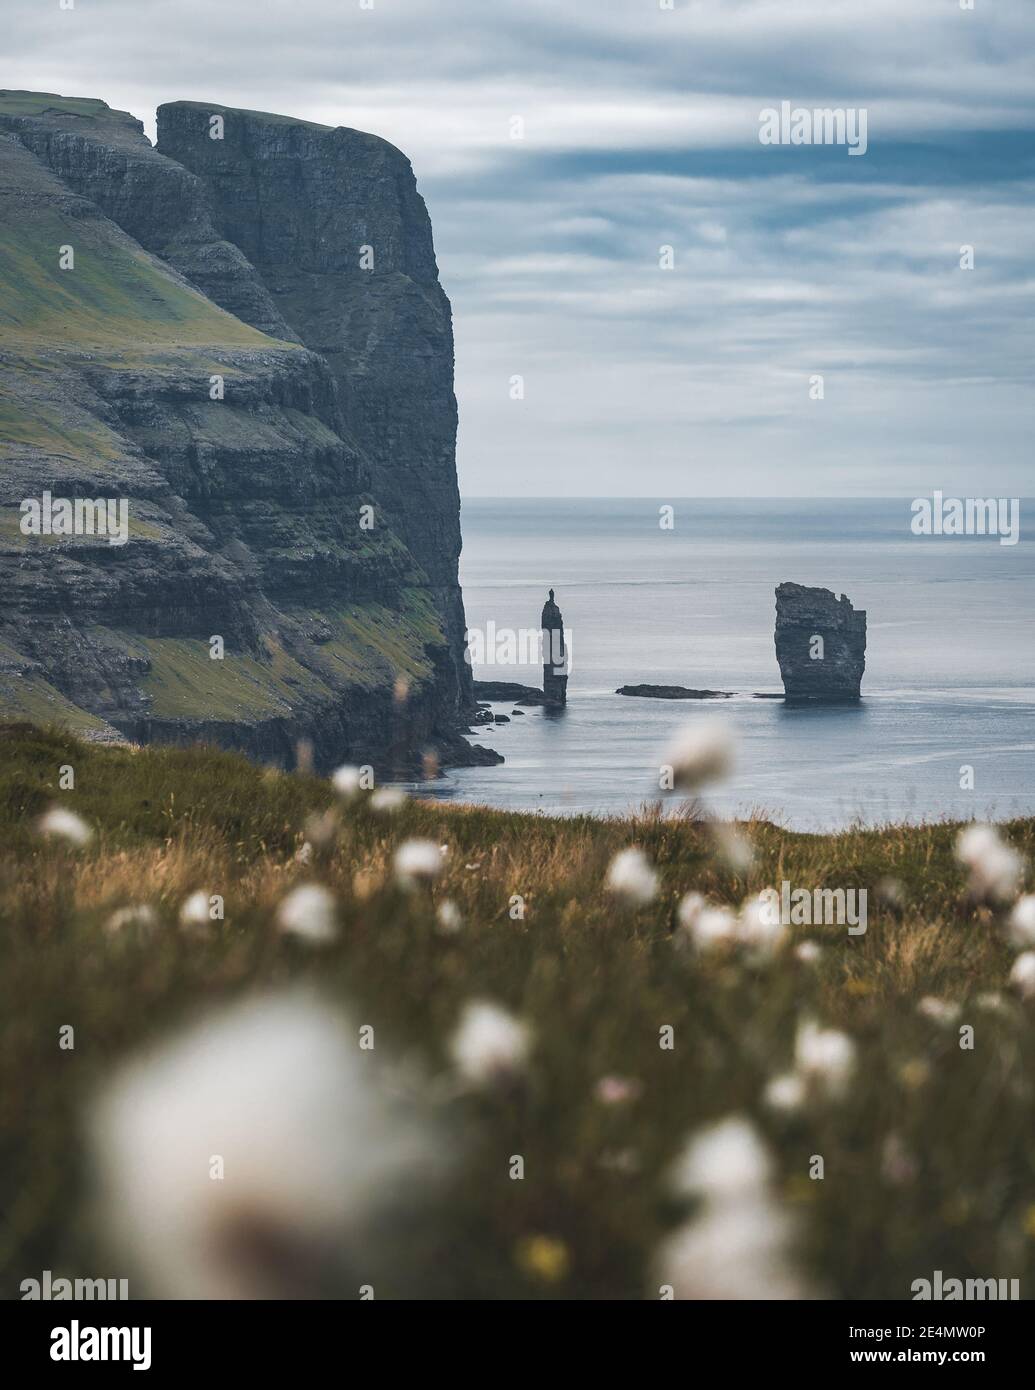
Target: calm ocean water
x=950, y=662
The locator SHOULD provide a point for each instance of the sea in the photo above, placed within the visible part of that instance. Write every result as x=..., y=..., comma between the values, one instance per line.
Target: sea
x=946, y=725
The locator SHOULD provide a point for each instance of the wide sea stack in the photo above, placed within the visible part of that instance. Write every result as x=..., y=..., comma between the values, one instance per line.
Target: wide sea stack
x=820, y=644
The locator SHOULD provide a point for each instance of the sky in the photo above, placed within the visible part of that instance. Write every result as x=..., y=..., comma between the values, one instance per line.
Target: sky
x=638, y=129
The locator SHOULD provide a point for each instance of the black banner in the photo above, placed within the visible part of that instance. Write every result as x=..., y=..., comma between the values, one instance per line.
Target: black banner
x=167, y=1340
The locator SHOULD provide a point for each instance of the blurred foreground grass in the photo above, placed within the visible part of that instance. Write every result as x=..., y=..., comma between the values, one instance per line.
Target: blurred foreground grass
x=929, y=1159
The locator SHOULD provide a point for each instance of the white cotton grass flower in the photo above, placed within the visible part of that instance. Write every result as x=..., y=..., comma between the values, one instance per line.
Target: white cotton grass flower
x=785, y=1094
x=136, y=918
x=739, y=1245
x=700, y=753
x=347, y=781
x=61, y=824
x=489, y=1045
x=734, y=1250
x=940, y=1011
x=194, y=911
x=618, y=1090
x=705, y=925
x=623, y=1161
x=691, y=905
x=808, y=952
x=386, y=800
x=898, y=1163
x=448, y=917
x=310, y=913
x=715, y=926
x=1022, y=976
x=417, y=861
x=304, y=853
x=723, y=1159
x=992, y=1001
x=733, y=847
x=277, y=1090
x=1020, y=925
x=995, y=868
x=759, y=926
x=824, y=1064
x=631, y=877
x=891, y=893
x=825, y=1060
x=321, y=830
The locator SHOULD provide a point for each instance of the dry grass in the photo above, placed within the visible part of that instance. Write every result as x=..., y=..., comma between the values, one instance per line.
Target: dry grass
x=595, y=982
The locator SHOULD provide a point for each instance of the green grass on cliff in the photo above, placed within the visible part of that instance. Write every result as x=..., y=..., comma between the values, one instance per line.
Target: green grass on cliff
x=371, y=641
x=929, y=1156
x=371, y=648
x=116, y=293
x=113, y=292
x=21, y=103
x=185, y=683
x=27, y=423
x=268, y=117
x=140, y=529
x=34, y=698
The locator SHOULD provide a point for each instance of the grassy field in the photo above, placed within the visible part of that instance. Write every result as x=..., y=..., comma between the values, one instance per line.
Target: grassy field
x=928, y=1151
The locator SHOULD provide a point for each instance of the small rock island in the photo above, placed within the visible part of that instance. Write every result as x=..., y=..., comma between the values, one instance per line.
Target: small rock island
x=672, y=692
x=820, y=644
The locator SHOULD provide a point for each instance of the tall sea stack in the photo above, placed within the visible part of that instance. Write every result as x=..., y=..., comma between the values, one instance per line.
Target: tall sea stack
x=555, y=655
x=820, y=644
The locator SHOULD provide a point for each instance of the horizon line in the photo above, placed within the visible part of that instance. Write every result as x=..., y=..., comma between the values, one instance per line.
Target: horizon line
x=711, y=497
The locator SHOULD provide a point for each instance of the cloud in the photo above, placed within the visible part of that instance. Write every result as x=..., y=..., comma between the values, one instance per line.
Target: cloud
x=640, y=130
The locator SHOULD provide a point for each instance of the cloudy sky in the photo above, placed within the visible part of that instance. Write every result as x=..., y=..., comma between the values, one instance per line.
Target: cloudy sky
x=640, y=130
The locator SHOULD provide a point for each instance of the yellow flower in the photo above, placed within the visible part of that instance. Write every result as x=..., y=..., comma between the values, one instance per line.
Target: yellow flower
x=956, y=1209
x=800, y=1188
x=544, y=1258
x=913, y=1073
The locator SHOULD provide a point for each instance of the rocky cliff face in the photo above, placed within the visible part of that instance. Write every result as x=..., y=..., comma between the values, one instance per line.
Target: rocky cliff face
x=156, y=367
x=333, y=222
x=820, y=644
